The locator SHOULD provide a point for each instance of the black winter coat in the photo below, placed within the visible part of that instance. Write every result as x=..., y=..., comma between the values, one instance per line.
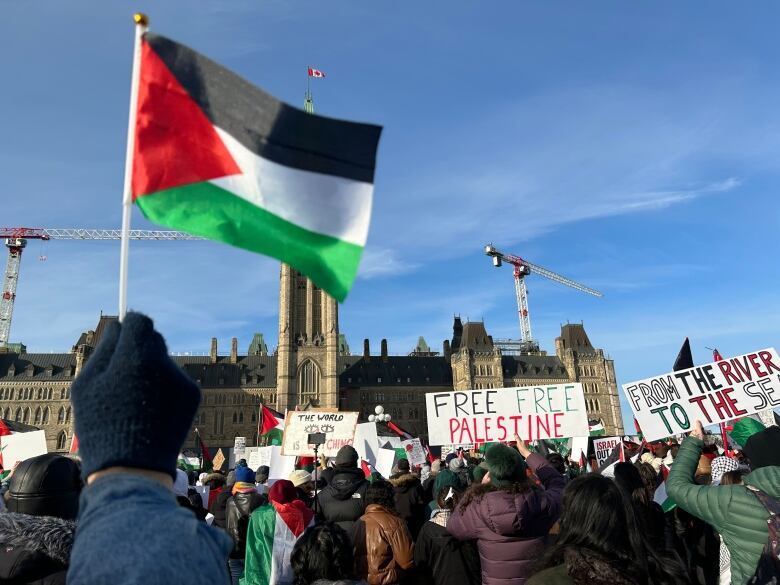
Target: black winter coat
x=239, y=508
x=219, y=506
x=343, y=500
x=34, y=549
x=441, y=559
x=409, y=501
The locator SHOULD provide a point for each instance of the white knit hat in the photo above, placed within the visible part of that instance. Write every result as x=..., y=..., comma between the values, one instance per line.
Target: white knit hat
x=299, y=477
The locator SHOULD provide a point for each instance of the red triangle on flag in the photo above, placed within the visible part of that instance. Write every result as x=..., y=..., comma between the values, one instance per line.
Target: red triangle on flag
x=175, y=143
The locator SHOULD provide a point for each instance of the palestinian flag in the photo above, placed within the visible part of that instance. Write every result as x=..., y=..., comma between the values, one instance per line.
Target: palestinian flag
x=596, y=428
x=269, y=419
x=217, y=157
x=661, y=496
x=273, y=531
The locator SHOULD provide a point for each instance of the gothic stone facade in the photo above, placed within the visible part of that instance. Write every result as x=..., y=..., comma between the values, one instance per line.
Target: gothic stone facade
x=313, y=366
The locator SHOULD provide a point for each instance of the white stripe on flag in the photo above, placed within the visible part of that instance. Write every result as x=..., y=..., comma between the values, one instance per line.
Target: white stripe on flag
x=325, y=204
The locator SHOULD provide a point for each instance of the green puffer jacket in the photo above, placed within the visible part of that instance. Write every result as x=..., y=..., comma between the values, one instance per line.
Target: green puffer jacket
x=731, y=509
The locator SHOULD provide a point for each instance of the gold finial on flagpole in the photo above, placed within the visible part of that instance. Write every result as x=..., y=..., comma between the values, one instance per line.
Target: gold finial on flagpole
x=141, y=18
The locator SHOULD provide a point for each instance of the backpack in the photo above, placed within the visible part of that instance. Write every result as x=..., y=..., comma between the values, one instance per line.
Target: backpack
x=768, y=569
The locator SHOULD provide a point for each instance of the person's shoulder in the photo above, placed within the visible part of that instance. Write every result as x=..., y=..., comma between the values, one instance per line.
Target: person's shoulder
x=556, y=575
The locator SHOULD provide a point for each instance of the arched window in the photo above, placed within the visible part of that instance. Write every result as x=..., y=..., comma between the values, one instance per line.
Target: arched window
x=49, y=394
x=38, y=416
x=26, y=416
x=202, y=418
x=235, y=417
x=254, y=416
x=67, y=415
x=62, y=439
x=45, y=420
x=60, y=416
x=308, y=382
x=18, y=417
x=62, y=393
x=240, y=417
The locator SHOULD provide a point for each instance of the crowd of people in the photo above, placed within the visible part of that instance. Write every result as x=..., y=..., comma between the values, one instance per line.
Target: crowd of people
x=508, y=515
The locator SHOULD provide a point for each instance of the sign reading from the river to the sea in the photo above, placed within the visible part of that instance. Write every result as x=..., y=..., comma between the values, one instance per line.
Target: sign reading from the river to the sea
x=670, y=403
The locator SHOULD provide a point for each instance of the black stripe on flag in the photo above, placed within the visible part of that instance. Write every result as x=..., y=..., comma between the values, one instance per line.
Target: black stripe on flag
x=266, y=126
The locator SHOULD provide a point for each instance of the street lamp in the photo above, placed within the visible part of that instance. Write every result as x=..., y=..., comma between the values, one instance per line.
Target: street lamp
x=380, y=416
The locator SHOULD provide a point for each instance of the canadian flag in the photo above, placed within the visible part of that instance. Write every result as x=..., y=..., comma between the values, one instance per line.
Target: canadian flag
x=315, y=72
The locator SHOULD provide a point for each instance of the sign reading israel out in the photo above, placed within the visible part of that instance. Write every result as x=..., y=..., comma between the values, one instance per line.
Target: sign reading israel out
x=497, y=414
x=670, y=403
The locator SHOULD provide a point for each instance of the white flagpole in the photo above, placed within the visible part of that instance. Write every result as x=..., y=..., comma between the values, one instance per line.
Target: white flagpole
x=141, y=24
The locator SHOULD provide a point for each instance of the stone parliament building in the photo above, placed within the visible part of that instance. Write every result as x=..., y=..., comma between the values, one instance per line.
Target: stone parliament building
x=312, y=365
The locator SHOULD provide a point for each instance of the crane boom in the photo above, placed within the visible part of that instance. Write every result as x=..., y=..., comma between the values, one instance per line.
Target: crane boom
x=90, y=234
x=541, y=271
x=16, y=240
x=523, y=268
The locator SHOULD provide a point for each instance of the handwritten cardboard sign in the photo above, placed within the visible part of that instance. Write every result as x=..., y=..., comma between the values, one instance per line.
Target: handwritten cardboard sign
x=716, y=392
x=338, y=427
x=604, y=447
x=219, y=460
x=483, y=416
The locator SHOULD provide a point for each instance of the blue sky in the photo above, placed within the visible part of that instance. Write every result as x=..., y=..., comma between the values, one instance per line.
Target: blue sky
x=632, y=146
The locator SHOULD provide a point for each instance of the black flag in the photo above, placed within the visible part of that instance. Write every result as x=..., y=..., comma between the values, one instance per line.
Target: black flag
x=684, y=358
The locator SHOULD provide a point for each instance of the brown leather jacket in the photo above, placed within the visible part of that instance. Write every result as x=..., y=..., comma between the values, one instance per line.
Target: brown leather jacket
x=383, y=546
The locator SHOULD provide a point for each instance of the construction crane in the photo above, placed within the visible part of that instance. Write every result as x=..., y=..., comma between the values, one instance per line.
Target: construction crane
x=523, y=268
x=16, y=241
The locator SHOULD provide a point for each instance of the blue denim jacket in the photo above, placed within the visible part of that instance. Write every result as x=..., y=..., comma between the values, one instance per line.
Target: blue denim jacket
x=131, y=530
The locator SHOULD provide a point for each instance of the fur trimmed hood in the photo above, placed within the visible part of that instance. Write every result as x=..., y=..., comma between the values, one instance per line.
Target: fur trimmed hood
x=405, y=481
x=47, y=535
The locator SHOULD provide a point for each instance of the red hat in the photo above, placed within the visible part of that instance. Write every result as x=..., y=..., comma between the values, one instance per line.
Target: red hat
x=282, y=492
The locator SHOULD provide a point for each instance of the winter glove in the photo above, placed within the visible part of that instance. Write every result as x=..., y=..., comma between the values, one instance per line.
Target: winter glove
x=133, y=406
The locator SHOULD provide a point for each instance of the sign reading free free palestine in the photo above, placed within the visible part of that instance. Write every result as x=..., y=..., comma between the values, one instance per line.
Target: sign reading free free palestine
x=496, y=415
x=716, y=392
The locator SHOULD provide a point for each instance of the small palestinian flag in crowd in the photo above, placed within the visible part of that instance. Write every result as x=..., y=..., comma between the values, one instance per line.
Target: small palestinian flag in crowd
x=661, y=497
x=217, y=157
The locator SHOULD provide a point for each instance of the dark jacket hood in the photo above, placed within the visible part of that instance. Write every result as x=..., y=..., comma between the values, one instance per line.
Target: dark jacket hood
x=346, y=482
x=405, y=482
x=47, y=535
x=247, y=502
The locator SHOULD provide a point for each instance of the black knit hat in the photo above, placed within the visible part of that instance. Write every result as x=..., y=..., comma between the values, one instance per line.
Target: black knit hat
x=132, y=405
x=347, y=457
x=46, y=485
x=505, y=465
x=763, y=448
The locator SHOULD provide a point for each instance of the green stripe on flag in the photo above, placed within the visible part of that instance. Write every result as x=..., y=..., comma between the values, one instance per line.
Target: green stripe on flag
x=209, y=211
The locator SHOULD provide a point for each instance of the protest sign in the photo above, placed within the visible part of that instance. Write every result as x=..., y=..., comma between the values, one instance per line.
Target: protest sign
x=239, y=447
x=384, y=462
x=281, y=466
x=603, y=447
x=21, y=446
x=219, y=460
x=579, y=447
x=366, y=442
x=258, y=457
x=414, y=452
x=338, y=427
x=482, y=416
x=716, y=392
